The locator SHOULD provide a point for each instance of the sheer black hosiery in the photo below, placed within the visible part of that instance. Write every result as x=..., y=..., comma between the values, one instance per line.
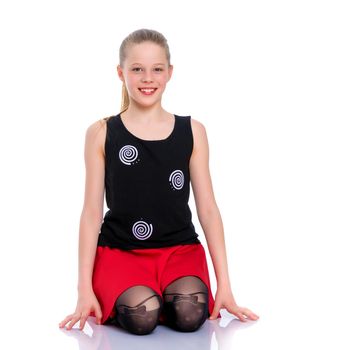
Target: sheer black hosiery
x=186, y=303
x=138, y=309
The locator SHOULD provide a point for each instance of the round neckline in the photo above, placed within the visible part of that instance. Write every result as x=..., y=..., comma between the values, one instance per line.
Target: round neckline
x=143, y=140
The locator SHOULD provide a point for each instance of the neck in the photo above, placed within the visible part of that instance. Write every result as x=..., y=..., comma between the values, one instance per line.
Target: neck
x=144, y=114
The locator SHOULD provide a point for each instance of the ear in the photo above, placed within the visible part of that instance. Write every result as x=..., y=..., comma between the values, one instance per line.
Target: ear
x=170, y=71
x=120, y=72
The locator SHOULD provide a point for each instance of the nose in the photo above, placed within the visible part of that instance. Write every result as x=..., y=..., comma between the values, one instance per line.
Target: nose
x=146, y=77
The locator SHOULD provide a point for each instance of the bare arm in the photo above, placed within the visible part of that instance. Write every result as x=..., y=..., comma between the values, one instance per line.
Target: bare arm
x=90, y=224
x=210, y=220
x=92, y=213
x=207, y=209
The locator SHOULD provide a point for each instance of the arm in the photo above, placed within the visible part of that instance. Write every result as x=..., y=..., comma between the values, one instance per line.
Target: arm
x=92, y=213
x=207, y=209
x=90, y=224
x=210, y=220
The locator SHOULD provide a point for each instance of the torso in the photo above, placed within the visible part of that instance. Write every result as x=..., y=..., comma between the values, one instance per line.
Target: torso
x=147, y=184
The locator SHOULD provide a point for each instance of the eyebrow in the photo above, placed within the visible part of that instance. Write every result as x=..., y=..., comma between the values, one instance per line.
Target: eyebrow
x=156, y=64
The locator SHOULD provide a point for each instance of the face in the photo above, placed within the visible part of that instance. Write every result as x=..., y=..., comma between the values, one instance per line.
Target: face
x=145, y=72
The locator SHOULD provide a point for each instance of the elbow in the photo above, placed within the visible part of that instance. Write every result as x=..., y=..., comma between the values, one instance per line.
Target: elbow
x=92, y=215
x=206, y=213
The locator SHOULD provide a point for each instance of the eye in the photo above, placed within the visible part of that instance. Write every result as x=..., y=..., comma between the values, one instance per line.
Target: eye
x=159, y=69
x=135, y=69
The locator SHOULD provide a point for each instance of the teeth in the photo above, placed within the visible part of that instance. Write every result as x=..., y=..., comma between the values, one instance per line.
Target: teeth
x=147, y=90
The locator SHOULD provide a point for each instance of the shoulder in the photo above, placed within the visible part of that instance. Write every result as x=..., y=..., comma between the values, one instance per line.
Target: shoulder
x=95, y=134
x=199, y=134
x=197, y=126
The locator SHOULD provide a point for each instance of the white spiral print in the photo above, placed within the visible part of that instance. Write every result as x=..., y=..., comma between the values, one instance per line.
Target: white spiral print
x=128, y=154
x=142, y=230
x=176, y=179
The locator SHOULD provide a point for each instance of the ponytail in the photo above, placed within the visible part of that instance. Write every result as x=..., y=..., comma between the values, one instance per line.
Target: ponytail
x=125, y=99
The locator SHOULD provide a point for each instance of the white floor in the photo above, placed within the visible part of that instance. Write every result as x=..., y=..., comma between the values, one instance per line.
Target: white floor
x=281, y=326
x=212, y=335
x=276, y=329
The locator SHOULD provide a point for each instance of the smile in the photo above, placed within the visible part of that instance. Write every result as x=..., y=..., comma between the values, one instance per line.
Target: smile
x=147, y=91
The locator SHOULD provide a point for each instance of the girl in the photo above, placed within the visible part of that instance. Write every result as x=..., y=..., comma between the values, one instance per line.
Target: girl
x=145, y=265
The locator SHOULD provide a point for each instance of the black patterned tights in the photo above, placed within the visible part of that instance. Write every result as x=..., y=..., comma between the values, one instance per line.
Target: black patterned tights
x=138, y=308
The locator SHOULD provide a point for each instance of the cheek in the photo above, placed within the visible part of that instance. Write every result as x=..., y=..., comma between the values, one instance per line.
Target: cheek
x=163, y=79
x=132, y=81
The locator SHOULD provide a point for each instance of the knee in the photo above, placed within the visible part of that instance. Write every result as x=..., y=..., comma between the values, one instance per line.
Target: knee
x=138, y=309
x=185, y=313
x=139, y=321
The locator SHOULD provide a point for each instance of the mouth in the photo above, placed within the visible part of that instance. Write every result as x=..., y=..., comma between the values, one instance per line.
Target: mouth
x=147, y=91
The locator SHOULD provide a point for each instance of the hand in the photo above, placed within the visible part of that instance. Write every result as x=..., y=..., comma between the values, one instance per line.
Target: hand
x=87, y=302
x=225, y=299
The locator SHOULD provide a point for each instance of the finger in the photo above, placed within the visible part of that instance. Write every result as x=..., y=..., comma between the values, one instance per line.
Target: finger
x=215, y=313
x=240, y=316
x=98, y=314
x=213, y=316
x=249, y=314
x=74, y=320
x=82, y=321
x=237, y=311
x=65, y=321
x=253, y=316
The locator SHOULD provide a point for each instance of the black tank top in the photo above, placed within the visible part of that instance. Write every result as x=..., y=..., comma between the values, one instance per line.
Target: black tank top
x=147, y=186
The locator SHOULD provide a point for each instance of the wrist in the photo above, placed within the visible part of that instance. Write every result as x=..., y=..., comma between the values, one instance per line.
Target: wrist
x=224, y=285
x=223, y=281
x=84, y=288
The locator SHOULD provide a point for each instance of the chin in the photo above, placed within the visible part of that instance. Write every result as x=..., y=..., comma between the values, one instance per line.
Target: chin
x=145, y=105
x=147, y=101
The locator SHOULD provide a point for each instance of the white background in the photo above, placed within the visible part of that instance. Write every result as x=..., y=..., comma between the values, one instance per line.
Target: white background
x=270, y=82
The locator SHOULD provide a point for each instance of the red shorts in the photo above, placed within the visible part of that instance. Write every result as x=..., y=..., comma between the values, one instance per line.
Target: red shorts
x=115, y=270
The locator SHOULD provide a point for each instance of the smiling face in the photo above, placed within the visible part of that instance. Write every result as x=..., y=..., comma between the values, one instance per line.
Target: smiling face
x=145, y=72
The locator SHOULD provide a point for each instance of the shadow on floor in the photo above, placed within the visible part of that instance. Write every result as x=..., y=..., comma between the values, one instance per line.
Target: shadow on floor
x=108, y=337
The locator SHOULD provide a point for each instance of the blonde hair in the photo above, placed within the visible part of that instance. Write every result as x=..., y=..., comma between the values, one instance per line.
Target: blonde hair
x=137, y=37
